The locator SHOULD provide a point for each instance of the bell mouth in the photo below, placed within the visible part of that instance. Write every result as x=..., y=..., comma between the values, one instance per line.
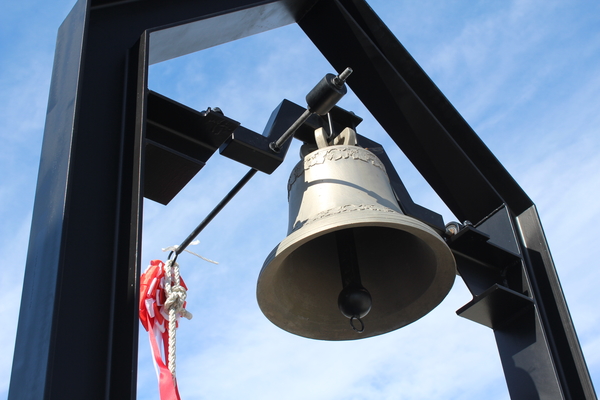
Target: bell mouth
x=406, y=266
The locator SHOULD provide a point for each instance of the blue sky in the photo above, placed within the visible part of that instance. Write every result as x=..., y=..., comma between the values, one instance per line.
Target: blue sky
x=524, y=74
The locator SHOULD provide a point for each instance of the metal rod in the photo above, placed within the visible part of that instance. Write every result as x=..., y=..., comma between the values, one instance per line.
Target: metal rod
x=341, y=78
x=276, y=146
x=215, y=211
x=346, y=248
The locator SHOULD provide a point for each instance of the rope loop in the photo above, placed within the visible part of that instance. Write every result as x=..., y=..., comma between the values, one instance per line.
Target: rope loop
x=175, y=303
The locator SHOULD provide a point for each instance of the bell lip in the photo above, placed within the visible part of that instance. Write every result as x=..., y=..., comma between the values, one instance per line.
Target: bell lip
x=441, y=285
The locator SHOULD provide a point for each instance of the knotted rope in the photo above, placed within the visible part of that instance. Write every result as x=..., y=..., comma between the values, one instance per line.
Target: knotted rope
x=162, y=302
x=174, y=303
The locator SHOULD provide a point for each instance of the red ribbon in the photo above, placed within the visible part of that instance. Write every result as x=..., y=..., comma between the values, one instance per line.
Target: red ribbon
x=155, y=320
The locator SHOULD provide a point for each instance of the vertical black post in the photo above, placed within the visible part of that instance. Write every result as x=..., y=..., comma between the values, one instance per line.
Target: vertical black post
x=77, y=326
x=558, y=327
x=77, y=332
x=35, y=345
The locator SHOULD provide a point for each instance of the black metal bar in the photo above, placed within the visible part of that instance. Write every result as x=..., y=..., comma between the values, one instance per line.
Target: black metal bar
x=276, y=146
x=179, y=141
x=438, y=106
x=396, y=104
x=216, y=210
x=36, y=345
x=346, y=249
x=558, y=326
x=124, y=316
x=252, y=149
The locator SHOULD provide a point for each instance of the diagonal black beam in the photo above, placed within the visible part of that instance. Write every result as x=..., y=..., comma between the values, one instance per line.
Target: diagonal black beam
x=439, y=106
x=399, y=94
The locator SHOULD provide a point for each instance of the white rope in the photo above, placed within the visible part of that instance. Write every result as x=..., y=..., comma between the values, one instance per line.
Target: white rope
x=195, y=242
x=175, y=298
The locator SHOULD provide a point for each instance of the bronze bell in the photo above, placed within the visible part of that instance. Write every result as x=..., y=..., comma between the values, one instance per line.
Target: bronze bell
x=347, y=233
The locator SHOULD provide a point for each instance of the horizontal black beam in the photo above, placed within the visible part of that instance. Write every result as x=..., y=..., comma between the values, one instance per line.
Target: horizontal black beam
x=179, y=141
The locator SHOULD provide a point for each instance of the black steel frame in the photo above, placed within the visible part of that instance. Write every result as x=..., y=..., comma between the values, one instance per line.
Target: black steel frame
x=90, y=189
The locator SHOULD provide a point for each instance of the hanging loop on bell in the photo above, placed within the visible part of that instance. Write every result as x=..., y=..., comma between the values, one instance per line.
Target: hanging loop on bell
x=362, y=324
x=346, y=138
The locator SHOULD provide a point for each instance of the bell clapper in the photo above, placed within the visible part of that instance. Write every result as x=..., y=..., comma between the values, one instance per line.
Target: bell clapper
x=354, y=301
